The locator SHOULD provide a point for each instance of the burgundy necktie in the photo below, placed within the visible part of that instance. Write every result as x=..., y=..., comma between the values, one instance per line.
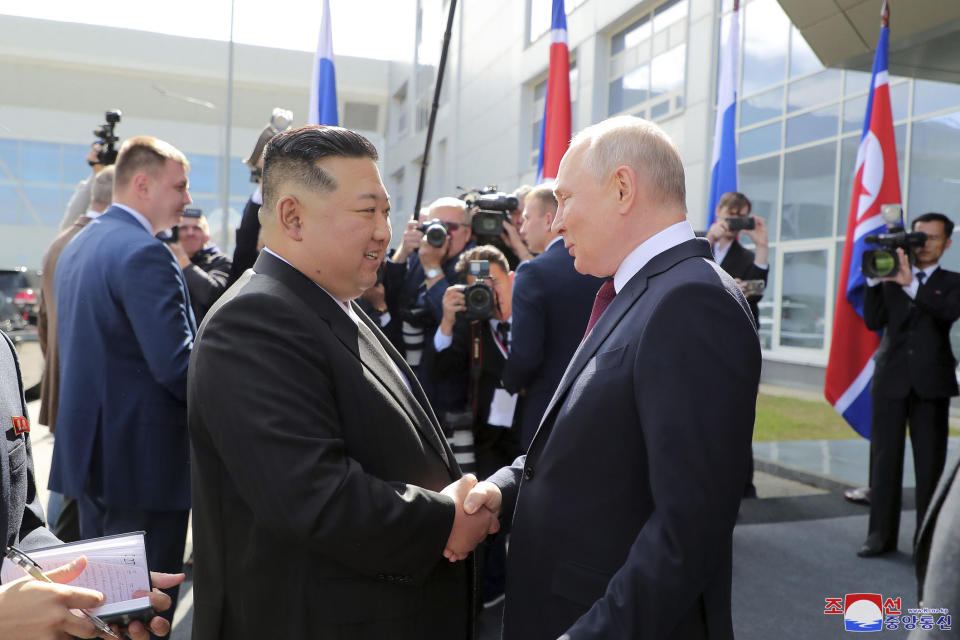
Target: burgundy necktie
x=605, y=296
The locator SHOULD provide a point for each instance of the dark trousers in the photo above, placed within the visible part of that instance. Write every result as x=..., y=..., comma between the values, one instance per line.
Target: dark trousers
x=166, y=535
x=928, y=435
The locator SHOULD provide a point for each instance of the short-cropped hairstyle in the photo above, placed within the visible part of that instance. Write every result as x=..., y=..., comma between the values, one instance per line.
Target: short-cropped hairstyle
x=933, y=216
x=293, y=156
x=144, y=154
x=736, y=202
x=486, y=252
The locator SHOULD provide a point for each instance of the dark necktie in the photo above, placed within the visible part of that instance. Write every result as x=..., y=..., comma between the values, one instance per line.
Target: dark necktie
x=605, y=296
x=503, y=332
x=921, y=276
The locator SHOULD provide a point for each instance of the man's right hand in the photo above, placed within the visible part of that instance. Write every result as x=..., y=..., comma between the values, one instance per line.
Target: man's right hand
x=411, y=241
x=469, y=529
x=35, y=610
x=717, y=231
x=453, y=302
x=93, y=156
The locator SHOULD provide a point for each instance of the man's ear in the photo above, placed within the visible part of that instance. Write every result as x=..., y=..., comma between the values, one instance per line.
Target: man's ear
x=289, y=217
x=141, y=184
x=625, y=185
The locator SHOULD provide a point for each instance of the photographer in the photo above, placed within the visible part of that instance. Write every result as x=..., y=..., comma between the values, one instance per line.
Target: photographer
x=79, y=202
x=914, y=377
x=466, y=343
x=745, y=266
x=205, y=268
x=415, y=279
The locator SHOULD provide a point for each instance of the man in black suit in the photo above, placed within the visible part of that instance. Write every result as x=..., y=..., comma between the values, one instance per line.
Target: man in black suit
x=914, y=378
x=624, y=506
x=741, y=263
x=325, y=496
x=551, y=306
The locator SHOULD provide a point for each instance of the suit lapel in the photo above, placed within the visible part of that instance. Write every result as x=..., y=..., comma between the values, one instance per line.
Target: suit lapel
x=365, y=345
x=631, y=292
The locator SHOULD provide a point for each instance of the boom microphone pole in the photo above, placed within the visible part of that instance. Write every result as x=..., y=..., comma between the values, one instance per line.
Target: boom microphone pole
x=433, y=110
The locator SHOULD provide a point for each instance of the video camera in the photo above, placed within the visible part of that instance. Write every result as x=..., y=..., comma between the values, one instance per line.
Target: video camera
x=436, y=231
x=108, y=153
x=492, y=210
x=883, y=263
x=479, y=296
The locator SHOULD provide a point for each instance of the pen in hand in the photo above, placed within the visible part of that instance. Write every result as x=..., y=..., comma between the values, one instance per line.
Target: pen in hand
x=35, y=571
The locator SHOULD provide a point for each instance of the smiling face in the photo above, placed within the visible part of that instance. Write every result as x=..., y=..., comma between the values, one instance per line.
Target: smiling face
x=166, y=195
x=343, y=233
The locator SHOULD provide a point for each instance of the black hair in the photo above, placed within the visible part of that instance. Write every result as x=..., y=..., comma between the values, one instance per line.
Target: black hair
x=935, y=217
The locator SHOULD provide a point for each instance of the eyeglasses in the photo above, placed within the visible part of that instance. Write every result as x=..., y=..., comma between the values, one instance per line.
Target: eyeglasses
x=453, y=226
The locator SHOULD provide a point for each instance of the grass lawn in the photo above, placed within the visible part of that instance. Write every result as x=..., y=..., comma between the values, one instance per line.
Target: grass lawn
x=780, y=418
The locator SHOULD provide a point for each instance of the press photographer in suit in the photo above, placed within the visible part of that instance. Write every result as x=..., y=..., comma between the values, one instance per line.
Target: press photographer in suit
x=741, y=263
x=914, y=378
x=341, y=529
x=551, y=306
x=623, y=507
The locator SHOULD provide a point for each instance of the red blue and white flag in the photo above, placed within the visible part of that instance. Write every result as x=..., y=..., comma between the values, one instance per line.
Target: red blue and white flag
x=555, y=135
x=323, y=85
x=876, y=182
x=723, y=175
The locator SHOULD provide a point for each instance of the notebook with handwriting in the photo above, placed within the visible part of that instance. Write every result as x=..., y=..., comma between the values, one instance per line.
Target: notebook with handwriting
x=116, y=567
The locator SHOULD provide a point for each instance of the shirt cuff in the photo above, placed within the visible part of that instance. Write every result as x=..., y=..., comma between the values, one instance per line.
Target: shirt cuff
x=441, y=341
x=384, y=319
x=872, y=282
x=761, y=266
x=912, y=288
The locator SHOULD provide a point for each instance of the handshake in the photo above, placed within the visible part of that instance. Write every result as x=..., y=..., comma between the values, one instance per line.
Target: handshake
x=477, y=515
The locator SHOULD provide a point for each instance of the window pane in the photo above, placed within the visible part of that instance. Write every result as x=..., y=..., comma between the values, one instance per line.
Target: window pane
x=540, y=16
x=540, y=91
x=856, y=82
x=42, y=205
x=760, y=181
x=632, y=35
x=669, y=13
x=9, y=205
x=761, y=140
x=808, y=179
x=802, y=58
x=240, y=184
x=812, y=125
x=848, y=160
x=804, y=299
x=933, y=171
x=40, y=161
x=767, y=30
x=204, y=174
x=817, y=89
x=767, y=303
x=762, y=106
x=931, y=96
x=630, y=90
x=9, y=159
x=535, y=132
x=75, y=167
x=854, y=113
x=668, y=71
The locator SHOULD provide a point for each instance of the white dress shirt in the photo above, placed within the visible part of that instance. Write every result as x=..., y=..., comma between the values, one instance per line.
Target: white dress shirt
x=651, y=247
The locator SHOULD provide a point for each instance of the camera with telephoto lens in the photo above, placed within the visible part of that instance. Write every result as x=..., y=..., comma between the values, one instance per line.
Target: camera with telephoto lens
x=436, y=231
x=741, y=223
x=479, y=295
x=492, y=210
x=883, y=263
x=108, y=140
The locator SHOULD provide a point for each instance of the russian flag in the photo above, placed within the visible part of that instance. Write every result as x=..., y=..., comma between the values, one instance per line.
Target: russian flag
x=723, y=177
x=876, y=182
x=555, y=135
x=323, y=85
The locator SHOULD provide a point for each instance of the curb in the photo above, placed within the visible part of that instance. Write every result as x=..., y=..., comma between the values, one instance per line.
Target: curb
x=803, y=476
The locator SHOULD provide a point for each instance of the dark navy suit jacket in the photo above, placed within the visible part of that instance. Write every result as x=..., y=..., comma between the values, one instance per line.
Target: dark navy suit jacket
x=125, y=332
x=624, y=506
x=550, y=309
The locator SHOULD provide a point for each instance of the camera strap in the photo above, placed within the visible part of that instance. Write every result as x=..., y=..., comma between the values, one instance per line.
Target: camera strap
x=476, y=366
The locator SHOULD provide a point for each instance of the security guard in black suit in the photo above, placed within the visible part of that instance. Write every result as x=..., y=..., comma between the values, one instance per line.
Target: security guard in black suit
x=913, y=380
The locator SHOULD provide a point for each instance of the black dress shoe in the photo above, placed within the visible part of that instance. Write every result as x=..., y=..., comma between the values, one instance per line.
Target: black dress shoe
x=868, y=551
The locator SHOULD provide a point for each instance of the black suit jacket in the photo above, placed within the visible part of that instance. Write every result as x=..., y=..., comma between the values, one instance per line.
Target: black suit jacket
x=455, y=361
x=316, y=512
x=551, y=306
x=915, y=351
x=943, y=571
x=624, y=506
x=740, y=263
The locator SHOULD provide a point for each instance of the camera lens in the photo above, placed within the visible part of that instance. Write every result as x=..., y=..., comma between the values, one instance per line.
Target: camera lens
x=884, y=262
x=478, y=298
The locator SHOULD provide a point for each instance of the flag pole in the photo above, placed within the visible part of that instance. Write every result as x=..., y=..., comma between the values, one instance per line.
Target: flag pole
x=433, y=110
x=225, y=168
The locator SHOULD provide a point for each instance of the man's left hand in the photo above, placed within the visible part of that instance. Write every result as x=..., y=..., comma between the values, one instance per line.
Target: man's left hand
x=159, y=601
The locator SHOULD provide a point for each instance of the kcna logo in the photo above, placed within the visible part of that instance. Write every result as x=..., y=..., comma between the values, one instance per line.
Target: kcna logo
x=871, y=612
